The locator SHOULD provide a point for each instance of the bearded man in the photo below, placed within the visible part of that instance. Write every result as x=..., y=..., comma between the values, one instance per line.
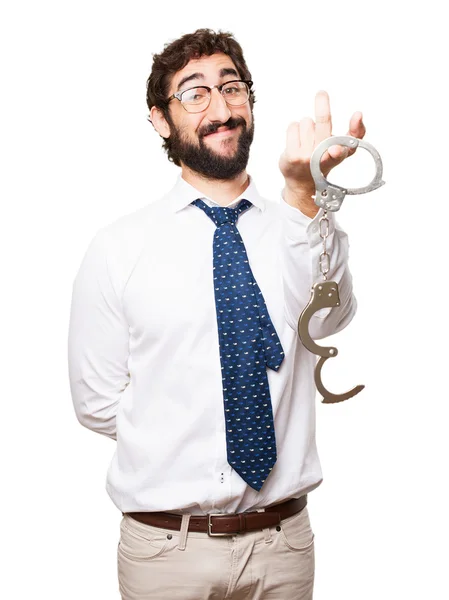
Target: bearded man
x=184, y=348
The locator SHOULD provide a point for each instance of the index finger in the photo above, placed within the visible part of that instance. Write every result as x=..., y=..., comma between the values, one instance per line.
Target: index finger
x=323, y=118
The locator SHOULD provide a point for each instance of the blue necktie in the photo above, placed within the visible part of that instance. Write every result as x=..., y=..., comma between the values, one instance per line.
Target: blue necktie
x=248, y=345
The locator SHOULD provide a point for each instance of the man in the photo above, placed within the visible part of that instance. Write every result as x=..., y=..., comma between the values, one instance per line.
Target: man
x=183, y=343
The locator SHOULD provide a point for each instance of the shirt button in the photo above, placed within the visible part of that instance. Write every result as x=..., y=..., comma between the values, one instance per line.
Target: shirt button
x=169, y=536
x=278, y=527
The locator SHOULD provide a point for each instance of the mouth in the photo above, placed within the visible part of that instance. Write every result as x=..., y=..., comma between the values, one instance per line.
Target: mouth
x=222, y=132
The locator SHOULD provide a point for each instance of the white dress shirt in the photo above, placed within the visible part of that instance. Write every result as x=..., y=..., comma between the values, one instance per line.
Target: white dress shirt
x=144, y=361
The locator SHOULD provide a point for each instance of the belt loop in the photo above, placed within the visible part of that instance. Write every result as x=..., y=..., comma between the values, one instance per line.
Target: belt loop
x=183, y=532
x=266, y=530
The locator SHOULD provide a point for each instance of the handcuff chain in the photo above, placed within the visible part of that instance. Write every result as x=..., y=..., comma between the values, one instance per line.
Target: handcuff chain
x=324, y=256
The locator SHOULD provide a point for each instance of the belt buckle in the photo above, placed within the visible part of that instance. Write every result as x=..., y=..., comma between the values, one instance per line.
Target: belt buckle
x=209, y=526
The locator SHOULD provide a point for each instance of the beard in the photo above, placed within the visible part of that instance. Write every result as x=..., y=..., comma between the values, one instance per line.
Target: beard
x=204, y=160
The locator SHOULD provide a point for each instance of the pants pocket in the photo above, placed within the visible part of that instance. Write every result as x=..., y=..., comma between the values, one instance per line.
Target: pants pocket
x=297, y=533
x=139, y=543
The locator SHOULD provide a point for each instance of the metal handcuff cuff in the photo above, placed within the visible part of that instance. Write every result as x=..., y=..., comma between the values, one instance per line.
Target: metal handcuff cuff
x=325, y=294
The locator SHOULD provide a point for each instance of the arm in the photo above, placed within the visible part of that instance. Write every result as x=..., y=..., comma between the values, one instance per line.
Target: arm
x=301, y=249
x=302, y=243
x=98, y=342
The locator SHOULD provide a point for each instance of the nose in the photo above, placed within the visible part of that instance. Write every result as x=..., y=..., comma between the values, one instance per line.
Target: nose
x=218, y=110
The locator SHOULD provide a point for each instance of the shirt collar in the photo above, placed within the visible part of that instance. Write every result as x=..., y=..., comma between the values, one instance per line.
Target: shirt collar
x=183, y=194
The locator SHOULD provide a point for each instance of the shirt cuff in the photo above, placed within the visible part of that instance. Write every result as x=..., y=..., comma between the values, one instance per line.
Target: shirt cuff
x=311, y=226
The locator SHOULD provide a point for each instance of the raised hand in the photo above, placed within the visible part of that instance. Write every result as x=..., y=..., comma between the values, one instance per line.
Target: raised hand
x=302, y=139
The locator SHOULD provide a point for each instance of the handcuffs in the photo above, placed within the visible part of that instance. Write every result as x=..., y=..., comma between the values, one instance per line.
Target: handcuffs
x=324, y=294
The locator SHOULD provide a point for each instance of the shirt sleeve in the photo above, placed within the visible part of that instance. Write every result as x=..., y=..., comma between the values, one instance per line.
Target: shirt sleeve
x=98, y=341
x=301, y=249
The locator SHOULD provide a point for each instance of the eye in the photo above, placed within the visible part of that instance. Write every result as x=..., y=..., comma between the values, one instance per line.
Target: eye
x=232, y=89
x=194, y=95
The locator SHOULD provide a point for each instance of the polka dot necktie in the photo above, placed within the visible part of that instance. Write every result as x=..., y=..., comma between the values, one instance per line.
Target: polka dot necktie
x=248, y=344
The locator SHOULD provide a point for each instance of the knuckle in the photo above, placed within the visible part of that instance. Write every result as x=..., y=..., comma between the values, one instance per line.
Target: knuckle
x=296, y=159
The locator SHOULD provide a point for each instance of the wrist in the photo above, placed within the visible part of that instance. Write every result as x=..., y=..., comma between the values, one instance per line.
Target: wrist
x=301, y=198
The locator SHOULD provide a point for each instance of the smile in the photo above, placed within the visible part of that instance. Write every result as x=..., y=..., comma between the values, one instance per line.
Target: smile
x=222, y=134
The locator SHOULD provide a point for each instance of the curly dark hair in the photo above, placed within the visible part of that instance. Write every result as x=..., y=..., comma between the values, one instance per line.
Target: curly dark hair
x=176, y=55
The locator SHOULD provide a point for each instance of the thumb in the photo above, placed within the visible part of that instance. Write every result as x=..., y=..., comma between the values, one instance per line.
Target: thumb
x=338, y=153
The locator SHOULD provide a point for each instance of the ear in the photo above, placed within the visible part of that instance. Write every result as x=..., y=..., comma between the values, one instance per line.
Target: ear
x=159, y=122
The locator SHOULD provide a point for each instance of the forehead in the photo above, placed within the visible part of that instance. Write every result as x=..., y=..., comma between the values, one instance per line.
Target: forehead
x=208, y=69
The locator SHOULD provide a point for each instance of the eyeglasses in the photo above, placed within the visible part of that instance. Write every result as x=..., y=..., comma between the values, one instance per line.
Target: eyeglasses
x=197, y=99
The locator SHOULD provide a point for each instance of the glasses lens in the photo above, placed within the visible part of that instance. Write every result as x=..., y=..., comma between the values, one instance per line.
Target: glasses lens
x=195, y=99
x=235, y=93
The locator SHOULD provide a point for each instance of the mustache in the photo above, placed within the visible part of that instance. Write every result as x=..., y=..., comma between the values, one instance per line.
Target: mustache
x=231, y=123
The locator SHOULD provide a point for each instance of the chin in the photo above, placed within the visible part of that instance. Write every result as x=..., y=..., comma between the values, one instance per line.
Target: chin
x=231, y=144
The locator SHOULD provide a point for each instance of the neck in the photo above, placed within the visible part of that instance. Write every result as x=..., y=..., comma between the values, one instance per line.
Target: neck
x=222, y=191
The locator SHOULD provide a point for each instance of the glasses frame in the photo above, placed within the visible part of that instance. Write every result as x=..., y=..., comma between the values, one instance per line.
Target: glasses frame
x=178, y=95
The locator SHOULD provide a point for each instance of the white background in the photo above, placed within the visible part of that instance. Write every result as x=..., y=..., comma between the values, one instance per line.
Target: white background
x=77, y=152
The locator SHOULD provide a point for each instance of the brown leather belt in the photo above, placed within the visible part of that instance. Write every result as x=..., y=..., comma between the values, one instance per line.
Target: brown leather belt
x=225, y=524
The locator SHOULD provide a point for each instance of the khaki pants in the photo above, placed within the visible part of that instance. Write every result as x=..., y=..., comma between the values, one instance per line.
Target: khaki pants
x=277, y=563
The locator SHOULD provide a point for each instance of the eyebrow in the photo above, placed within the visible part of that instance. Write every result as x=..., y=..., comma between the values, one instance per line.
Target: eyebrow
x=222, y=73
